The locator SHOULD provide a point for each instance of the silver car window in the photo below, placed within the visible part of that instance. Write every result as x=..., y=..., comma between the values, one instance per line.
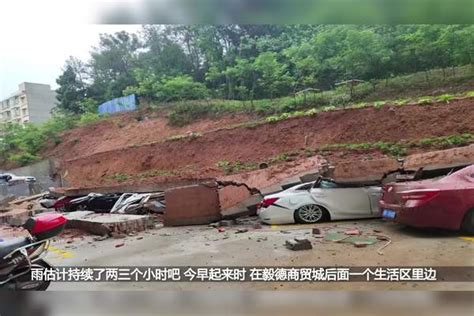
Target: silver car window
x=324, y=184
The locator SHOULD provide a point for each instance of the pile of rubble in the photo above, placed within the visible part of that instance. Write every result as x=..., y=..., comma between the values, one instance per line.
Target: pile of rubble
x=103, y=213
x=353, y=236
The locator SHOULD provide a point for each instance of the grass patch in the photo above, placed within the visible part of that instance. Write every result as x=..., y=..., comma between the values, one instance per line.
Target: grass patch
x=236, y=166
x=193, y=135
x=399, y=149
x=413, y=88
x=119, y=177
x=155, y=173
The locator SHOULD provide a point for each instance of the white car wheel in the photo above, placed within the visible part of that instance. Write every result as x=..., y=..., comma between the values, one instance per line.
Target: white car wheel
x=309, y=214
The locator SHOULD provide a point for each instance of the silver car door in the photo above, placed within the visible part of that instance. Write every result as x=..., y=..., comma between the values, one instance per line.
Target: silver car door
x=374, y=194
x=345, y=202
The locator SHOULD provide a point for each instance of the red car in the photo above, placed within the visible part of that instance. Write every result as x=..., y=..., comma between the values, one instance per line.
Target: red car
x=438, y=203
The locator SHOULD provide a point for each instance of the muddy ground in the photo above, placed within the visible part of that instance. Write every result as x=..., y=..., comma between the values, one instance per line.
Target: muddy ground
x=206, y=246
x=197, y=157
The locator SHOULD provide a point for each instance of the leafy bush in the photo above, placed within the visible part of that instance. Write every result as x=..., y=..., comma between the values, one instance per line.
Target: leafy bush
x=22, y=144
x=444, y=98
x=23, y=158
x=379, y=104
x=339, y=99
x=180, y=88
x=229, y=167
x=88, y=118
x=184, y=113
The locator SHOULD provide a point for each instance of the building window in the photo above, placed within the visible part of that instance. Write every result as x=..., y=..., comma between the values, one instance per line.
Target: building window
x=24, y=112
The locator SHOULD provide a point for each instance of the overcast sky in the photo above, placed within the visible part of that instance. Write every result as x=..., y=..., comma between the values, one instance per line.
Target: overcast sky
x=37, y=53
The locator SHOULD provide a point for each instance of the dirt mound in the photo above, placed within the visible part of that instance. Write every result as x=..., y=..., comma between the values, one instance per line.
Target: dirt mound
x=127, y=129
x=197, y=157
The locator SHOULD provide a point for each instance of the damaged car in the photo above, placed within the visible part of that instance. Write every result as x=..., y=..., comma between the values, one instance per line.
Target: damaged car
x=446, y=202
x=100, y=203
x=322, y=200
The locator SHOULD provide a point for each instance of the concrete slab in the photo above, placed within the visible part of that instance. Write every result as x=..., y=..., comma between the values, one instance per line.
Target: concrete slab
x=290, y=184
x=136, y=188
x=15, y=216
x=252, y=203
x=310, y=177
x=192, y=205
x=106, y=224
x=271, y=189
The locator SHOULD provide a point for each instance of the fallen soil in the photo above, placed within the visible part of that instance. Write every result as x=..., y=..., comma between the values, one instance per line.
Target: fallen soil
x=197, y=157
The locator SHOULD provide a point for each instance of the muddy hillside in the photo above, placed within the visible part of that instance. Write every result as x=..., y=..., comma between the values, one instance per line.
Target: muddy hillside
x=195, y=157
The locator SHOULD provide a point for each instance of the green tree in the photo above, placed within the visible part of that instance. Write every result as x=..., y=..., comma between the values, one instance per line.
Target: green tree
x=71, y=90
x=273, y=75
x=112, y=63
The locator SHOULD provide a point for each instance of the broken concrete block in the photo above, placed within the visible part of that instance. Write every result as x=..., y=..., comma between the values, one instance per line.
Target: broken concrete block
x=105, y=224
x=353, y=232
x=100, y=238
x=6, y=199
x=16, y=221
x=118, y=235
x=309, y=177
x=7, y=215
x=226, y=222
x=316, y=231
x=290, y=184
x=298, y=244
x=241, y=230
x=191, y=205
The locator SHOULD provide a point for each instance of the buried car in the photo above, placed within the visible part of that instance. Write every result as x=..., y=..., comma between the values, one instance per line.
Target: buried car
x=446, y=203
x=101, y=203
x=321, y=200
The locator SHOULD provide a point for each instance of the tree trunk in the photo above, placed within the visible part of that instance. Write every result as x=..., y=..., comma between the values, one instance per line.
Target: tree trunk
x=427, y=77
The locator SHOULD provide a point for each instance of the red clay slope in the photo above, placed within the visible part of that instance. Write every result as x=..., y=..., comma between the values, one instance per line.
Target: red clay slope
x=124, y=130
x=198, y=157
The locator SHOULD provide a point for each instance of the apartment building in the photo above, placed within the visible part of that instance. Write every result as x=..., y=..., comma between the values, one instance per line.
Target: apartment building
x=31, y=103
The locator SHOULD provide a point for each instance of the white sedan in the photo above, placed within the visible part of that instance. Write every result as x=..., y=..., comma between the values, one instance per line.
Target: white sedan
x=321, y=200
x=11, y=178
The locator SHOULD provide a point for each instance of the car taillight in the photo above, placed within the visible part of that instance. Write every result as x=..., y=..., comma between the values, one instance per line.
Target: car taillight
x=267, y=202
x=413, y=198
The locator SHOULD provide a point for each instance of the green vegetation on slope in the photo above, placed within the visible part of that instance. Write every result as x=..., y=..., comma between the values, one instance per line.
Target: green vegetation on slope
x=255, y=62
x=22, y=145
